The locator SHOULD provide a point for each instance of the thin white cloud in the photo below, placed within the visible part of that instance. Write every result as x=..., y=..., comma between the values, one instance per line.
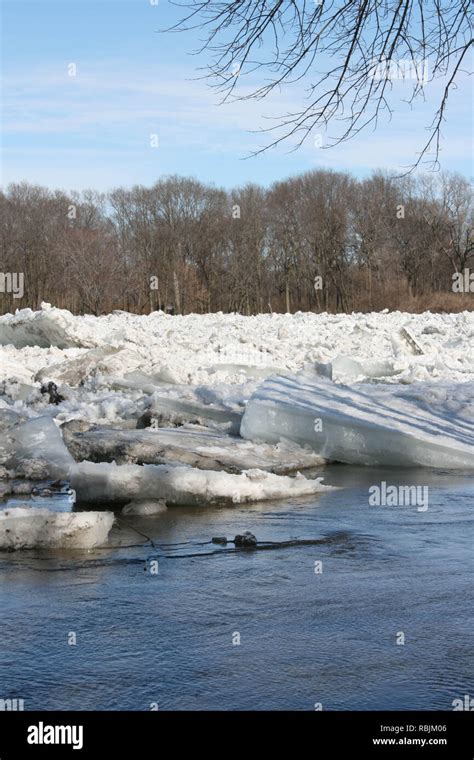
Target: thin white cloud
x=107, y=113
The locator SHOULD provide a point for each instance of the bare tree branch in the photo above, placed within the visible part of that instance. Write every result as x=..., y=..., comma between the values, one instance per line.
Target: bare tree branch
x=351, y=51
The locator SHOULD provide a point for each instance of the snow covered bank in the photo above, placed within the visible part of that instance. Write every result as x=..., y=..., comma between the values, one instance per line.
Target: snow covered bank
x=31, y=528
x=427, y=424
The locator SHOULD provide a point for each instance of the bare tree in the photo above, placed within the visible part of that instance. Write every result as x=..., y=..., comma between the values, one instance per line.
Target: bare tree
x=456, y=219
x=349, y=51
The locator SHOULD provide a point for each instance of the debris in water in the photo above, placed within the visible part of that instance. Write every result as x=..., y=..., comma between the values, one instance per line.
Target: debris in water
x=247, y=539
x=241, y=540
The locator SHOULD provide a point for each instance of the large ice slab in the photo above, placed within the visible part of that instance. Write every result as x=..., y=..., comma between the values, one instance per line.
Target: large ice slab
x=424, y=424
x=32, y=528
x=192, y=445
x=109, y=484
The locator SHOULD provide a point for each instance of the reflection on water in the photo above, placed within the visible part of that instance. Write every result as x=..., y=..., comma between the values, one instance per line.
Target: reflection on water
x=305, y=636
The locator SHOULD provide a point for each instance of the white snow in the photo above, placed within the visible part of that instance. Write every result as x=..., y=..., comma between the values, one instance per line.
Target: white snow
x=215, y=348
x=105, y=361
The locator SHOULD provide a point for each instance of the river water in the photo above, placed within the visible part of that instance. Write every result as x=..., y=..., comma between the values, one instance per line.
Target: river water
x=373, y=613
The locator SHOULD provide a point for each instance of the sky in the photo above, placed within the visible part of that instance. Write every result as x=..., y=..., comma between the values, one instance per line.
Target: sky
x=94, y=129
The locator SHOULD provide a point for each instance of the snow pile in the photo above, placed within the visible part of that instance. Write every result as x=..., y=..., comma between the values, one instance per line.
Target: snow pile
x=425, y=424
x=230, y=348
x=28, y=528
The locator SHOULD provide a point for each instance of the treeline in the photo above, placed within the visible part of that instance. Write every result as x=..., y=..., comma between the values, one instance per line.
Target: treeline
x=322, y=241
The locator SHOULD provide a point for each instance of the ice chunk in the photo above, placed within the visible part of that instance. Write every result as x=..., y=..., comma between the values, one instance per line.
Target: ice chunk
x=8, y=419
x=14, y=390
x=182, y=485
x=347, y=370
x=407, y=334
x=193, y=445
x=30, y=528
x=166, y=375
x=231, y=371
x=427, y=424
x=166, y=411
x=135, y=381
x=322, y=370
x=85, y=408
x=48, y=327
x=106, y=360
x=344, y=368
x=37, y=441
x=150, y=507
x=11, y=368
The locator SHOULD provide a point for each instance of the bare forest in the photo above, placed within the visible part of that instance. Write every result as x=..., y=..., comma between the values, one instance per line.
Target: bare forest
x=321, y=241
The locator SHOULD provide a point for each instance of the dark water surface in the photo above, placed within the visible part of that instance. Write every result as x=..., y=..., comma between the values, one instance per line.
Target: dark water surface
x=305, y=637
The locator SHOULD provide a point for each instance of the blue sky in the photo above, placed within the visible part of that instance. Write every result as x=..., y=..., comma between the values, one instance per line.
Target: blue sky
x=93, y=130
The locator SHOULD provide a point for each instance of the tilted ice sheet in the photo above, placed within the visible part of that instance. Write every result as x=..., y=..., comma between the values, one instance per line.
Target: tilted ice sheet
x=37, y=449
x=425, y=424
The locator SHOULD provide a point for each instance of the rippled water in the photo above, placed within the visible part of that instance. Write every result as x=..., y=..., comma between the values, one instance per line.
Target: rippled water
x=305, y=638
